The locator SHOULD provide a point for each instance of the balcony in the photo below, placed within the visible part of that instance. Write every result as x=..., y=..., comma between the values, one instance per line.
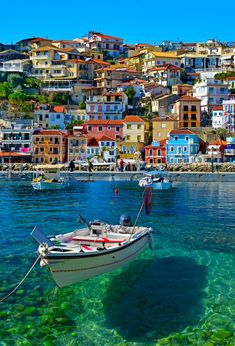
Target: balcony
x=39, y=57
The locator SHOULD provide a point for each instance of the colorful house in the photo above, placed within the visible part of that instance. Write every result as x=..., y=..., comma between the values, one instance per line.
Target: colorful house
x=49, y=146
x=188, y=109
x=166, y=75
x=155, y=153
x=229, y=114
x=134, y=129
x=110, y=128
x=182, y=146
x=229, y=150
x=162, y=127
x=46, y=116
x=108, y=148
x=158, y=59
x=217, y=117
x=109, y=106
x=111, y=45
x=76, y=147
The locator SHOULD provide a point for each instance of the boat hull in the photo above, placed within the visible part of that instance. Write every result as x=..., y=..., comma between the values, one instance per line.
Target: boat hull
x=42, y=185
x=69, y=270
x=161, y=185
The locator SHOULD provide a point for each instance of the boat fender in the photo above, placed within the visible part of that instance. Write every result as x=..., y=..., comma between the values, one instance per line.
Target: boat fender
x=151, y=241
x=42, y=249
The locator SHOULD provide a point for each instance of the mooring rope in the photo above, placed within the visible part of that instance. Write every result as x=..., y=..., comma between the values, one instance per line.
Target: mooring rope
x=20, y=283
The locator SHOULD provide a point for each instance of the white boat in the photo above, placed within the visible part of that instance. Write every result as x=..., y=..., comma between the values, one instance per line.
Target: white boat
x=93, y=250
x=158, y=180
x=49, y=178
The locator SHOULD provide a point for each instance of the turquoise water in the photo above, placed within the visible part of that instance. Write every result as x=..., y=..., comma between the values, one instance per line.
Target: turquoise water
x=182, y=293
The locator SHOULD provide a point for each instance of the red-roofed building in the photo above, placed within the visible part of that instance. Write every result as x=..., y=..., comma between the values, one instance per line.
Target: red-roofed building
x=49, y=146
x=217, y=117
x=155, y=153
x=50, y=116
x=98, y=128
x=166, y=75
x=111, y=45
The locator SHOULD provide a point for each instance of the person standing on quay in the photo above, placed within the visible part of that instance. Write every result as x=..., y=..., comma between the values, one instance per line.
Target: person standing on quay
x=121, y=165
x=71, y=165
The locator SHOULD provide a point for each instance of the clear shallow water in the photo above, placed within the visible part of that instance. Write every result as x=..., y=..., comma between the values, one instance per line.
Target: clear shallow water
x=182, y=293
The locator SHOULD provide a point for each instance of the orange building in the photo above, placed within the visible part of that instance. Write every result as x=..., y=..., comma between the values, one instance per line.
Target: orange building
x=188, y=109
x=49, y=146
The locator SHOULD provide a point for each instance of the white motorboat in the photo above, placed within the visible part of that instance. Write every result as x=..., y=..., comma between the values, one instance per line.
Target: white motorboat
x=158, y=180
x=93, y=250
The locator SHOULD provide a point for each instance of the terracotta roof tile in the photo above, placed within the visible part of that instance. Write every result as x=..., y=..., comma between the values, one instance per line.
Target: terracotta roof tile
x=133, y=119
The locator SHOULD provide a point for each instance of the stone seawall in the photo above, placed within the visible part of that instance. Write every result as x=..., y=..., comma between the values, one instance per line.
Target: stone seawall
x=131, y=176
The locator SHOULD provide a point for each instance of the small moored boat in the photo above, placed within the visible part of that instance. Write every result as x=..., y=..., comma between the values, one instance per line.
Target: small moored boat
x=49, y=178
x=93, y=250
x=158, y=180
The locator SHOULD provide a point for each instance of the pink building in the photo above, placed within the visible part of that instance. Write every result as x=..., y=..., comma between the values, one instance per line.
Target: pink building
x=98, y=128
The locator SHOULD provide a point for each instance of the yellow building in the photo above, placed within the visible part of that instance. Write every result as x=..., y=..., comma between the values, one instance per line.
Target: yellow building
x=156, y=59
x=134, y=133
x=49, y=61
x=162, y=127
x=134, y=129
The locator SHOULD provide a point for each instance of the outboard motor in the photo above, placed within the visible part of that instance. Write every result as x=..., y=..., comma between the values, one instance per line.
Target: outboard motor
x=125, y=220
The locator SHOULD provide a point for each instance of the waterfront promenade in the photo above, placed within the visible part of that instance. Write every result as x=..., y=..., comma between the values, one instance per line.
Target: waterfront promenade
x=130, y=176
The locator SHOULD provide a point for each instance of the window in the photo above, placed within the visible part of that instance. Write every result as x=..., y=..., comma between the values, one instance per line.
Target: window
x=193, y=108
x=176, y=138
x=185, y=108
x=57, y=116
x=150, y=152
x=128, y=137
x=56, y=140
x=138, y=138
x=100, y=128
x=89, y=128
x=193, y=117
x=185, y=124
x=171, y=149
x=187, y=138
x=185, y=149
x=159, y=134
x=185, y=117
x=163, y=126
x=193, y=124
x=138, y=126
x=117, y=128
x=128, y=126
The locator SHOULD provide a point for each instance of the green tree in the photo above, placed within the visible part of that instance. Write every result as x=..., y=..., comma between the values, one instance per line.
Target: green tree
x=17, y=98
x=59, y=99
x=5, y=90
x=15, y=79
x=69, y=126
x=82, y=105
x=130, y=92
x=32, y=82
